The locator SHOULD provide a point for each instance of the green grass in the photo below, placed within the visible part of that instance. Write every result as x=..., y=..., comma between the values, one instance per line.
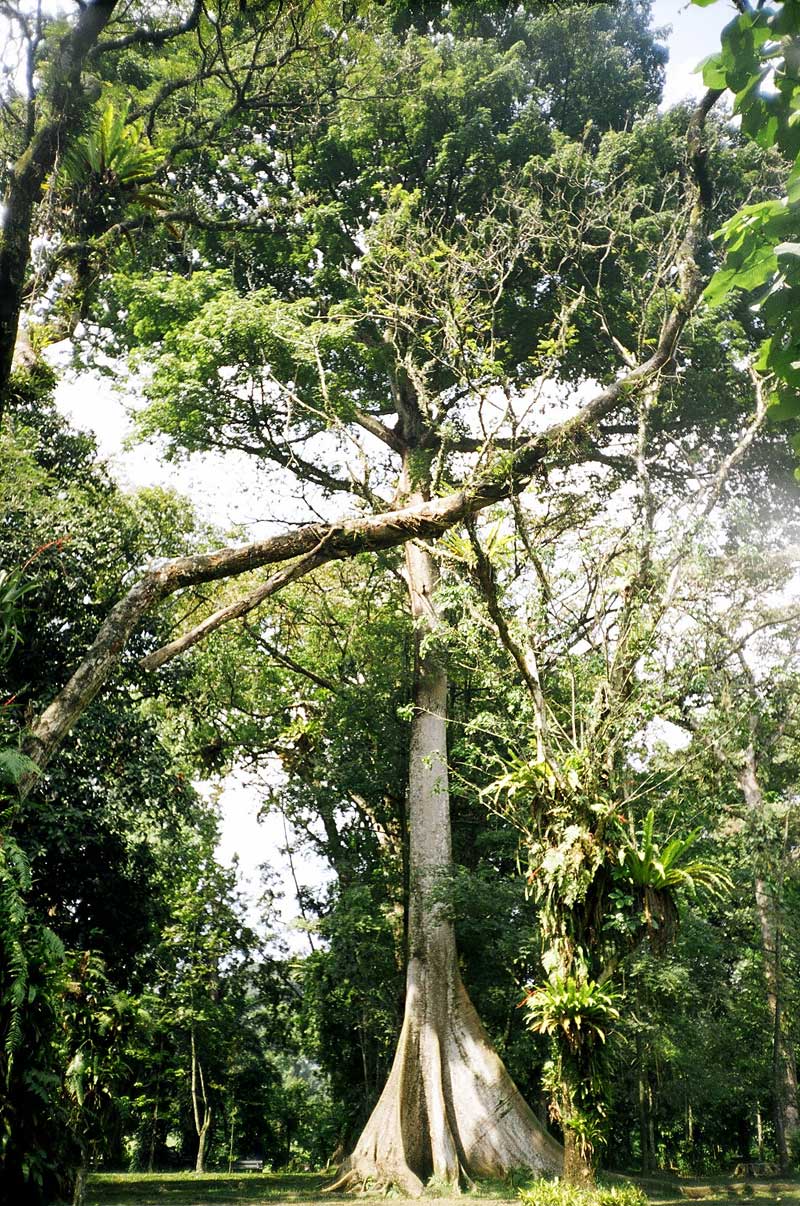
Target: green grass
x=724, y=1191
x=305, y=1189
x=195, y=1189
x=191, y=1189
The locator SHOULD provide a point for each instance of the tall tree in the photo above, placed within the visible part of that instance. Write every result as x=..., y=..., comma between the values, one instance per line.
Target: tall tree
x=740, y=708
x=409, y=333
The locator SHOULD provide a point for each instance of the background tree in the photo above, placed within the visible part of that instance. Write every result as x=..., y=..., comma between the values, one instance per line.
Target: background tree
x=747, y=636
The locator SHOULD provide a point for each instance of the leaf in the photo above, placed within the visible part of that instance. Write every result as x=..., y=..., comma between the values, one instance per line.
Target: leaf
x=756, y=270
x=762, y=362
x=793, y=184
x=14, y=765
x=713, y=71
x=784, y=406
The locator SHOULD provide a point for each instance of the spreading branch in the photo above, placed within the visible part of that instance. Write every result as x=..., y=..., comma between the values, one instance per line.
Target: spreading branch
x=151, y=37
x=506, y=475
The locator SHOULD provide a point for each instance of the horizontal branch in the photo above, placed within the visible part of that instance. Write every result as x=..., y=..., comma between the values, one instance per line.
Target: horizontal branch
x=342, y=540
x=236, y=610
x=387, y=435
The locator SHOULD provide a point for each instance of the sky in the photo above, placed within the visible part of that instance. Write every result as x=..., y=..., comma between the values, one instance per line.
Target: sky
x=695, y=34
x=227, y=491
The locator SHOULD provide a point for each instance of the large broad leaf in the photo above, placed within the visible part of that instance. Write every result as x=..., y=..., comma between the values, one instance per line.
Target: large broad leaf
x=793, y=184
x=714, y=71
x=755, y=271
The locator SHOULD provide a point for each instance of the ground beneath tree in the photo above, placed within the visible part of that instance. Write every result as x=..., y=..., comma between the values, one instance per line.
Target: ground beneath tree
x=305, y=1189
x=249, y=1189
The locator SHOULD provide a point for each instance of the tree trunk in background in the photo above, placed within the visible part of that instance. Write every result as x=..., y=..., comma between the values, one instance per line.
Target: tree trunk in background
x=151, y=1156
x=644, y=1128
x=66, y=97
x=200, y=1164
x=449, y=1109
x=784, y=1068
x=202, y=1117
x=81, y=1174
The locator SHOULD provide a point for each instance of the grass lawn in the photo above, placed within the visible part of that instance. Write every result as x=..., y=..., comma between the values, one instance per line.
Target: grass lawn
x=305, y=1189
x=721, y=1191
x=191, y=1189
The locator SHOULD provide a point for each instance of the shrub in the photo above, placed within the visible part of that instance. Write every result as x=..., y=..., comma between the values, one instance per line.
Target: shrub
x=560, y=1193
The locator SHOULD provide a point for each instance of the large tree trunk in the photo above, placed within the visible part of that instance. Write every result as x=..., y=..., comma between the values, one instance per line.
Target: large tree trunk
x=81, y=1176
x=577, y=1169
x=784, y=1068
x=449, y=1109
x=200, y=1162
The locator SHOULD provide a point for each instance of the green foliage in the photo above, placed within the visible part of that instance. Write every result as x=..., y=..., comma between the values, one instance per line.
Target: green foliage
x=13, y=765
x=97, y=1020
x=14, y=881
x=655, y=873
x=35, y=1146
x=758, y=64
x=31, y=963
x=561, y=1193
x=644, y=865
x=573, y=1006
x=114, y=154
x=13, y=589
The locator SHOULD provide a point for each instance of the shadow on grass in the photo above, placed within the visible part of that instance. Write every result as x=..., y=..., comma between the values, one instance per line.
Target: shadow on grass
x=195, y=1189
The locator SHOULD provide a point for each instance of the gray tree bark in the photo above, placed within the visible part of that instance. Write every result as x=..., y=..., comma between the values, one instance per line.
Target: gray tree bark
x=449, y=1109
x=33, y=167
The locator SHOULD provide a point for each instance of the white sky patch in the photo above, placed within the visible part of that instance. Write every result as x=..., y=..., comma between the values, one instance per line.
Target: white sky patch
x=658, y=732
x=259, y=842
x=227, y=490
x=695, y=35
x=664, y=732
